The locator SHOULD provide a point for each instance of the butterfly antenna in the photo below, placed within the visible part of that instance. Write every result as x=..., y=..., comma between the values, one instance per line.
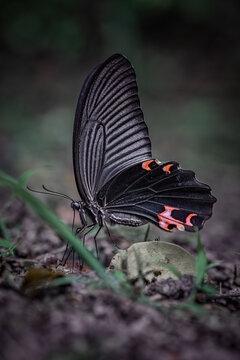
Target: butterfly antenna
x=50, y=192
x=57, y=193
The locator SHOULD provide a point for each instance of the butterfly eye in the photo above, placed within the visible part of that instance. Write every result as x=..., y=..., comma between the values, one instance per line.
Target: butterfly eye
x=75, y=205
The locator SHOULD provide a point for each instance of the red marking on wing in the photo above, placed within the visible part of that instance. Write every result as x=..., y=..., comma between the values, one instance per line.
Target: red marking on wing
x=166, y=219
x=167, y=167
x=145, y=164
x=189, y=218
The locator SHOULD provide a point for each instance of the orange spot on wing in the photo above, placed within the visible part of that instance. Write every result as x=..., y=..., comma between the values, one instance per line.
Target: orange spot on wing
x=189, y=218
x=167, y=222
x=166, y=219
x=145, y=164
x=167, y=167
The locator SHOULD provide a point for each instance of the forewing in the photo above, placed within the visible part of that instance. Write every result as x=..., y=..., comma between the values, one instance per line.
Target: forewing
x=163, y=194
x=108, y=110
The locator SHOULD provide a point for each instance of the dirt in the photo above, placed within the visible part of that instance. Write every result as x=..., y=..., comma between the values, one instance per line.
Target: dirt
x=85, y=320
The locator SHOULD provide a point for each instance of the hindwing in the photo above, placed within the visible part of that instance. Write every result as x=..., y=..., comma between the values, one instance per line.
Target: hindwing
x=163, y=194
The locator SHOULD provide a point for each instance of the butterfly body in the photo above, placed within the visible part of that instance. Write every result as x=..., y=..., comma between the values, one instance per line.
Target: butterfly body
x=117, y=178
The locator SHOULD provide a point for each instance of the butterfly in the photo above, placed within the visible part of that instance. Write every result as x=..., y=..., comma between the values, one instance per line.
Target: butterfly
x=116, y=175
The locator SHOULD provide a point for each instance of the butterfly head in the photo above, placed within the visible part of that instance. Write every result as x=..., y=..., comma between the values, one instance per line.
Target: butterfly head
x=77, y=205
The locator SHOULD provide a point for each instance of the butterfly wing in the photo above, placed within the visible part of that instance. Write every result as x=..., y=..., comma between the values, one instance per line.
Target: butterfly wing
x=109, y=134
x=163, y=194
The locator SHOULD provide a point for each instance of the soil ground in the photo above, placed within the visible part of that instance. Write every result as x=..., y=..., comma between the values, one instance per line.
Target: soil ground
x=84, y=320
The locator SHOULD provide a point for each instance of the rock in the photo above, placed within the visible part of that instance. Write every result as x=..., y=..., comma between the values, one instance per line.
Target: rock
x=153, y=261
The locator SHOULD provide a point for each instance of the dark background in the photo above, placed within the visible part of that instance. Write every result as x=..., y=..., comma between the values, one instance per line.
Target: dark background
x=187, y=58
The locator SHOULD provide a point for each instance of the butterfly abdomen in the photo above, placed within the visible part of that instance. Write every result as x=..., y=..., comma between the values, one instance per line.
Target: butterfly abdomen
x=126, y=219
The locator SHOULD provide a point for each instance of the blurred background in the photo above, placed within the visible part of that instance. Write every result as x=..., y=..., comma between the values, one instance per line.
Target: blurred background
x=186, y=54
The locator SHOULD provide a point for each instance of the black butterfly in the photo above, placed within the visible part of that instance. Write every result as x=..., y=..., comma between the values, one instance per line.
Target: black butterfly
x=117, y=178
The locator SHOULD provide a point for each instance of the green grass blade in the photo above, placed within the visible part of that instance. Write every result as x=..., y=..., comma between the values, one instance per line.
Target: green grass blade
x=146, y=234
x=213, y=265
x=53, y=221
x=25, y=176
x=5, y=244
x=208, y=289
x=201, y=261
x=174, y=270
x=5, y=231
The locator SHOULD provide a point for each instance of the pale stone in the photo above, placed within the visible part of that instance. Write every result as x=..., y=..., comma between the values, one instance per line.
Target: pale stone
x=150, y=260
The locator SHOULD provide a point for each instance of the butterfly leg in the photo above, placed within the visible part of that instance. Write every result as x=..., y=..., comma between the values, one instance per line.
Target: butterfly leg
x=68, y=249
x=81, y=229
x=95, y=241
x=91, y=226
x=66, y=255
x=110, y=237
